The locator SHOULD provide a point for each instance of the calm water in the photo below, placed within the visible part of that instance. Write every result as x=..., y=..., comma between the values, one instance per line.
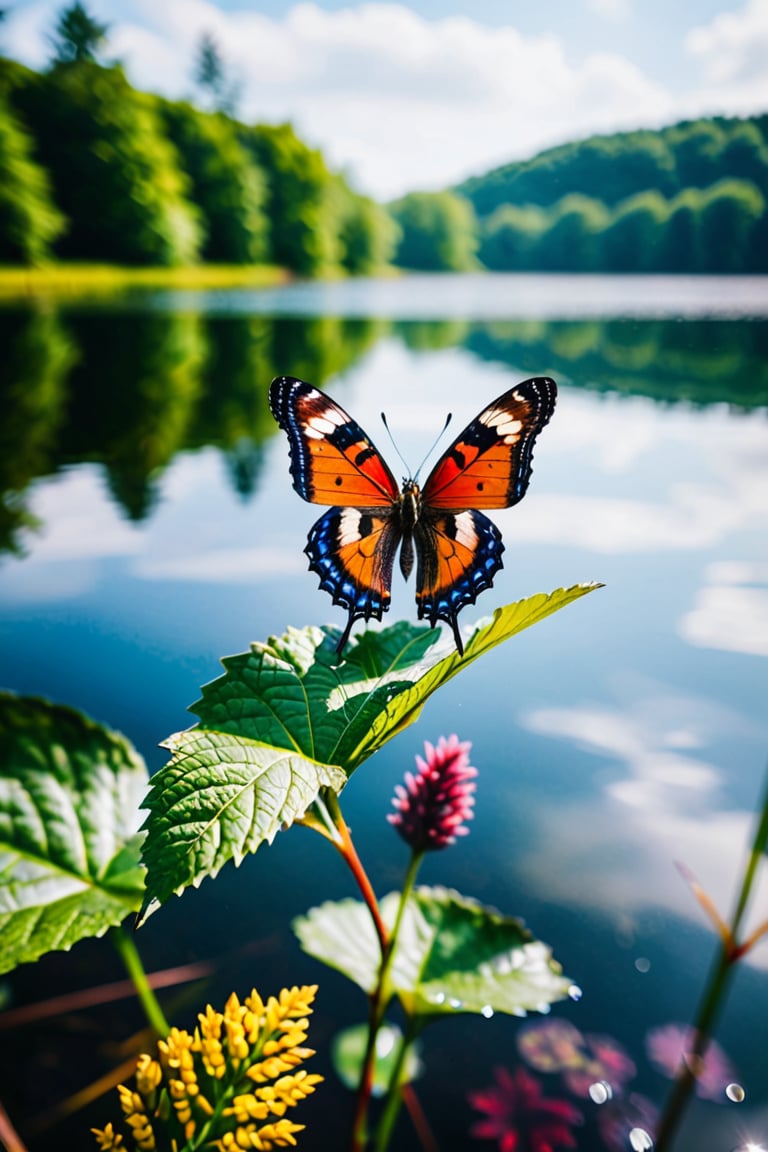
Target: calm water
x=150, y=528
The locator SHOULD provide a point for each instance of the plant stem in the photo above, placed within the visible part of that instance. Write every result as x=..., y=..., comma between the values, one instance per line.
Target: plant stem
x=349, y=852
x=129, y=954
x=344, y=843
x=9, y=1137
x=394, y=1092
x=714, y=994
x=378, y=1007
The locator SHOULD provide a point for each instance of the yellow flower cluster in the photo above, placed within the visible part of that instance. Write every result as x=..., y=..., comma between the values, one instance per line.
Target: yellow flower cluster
x=225, y=1087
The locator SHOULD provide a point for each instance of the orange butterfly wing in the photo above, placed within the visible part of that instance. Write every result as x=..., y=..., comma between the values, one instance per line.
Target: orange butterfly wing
x=353, y=545
x=332, y=460
x=488, y=466
x=489, y=463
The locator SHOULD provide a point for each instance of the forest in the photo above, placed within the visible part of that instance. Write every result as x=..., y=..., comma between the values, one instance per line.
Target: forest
x=93, y=170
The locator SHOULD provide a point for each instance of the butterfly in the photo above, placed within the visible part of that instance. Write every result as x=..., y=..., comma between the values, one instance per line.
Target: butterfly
x=352, y=547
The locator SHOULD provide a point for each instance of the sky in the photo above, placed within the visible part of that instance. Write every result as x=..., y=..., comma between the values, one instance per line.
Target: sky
x=418, y=96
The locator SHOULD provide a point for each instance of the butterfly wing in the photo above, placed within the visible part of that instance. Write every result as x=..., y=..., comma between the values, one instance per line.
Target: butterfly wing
x=332, y=460
x=487, y=466
x=458, y=556
x=489, y=463
x=352, y=546
x=352, y=550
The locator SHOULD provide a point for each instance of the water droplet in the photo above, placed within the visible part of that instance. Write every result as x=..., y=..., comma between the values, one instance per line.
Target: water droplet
x=454, y=1003
x=735, y=1092
x=640, y=1141
x=486, y=1011
x=438, y=998
x=643, y=964
x=575, y=992
x=600, y=1092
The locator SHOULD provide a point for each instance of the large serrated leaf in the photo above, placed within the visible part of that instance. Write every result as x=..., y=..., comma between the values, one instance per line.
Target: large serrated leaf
x=293, y=693
x=452, y=955
x=69, y=812
x=219, y=798
x=287, y=719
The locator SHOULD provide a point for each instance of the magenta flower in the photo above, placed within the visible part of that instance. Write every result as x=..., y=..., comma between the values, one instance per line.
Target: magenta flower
x=671, y=1045
x=607, y=1062
x=520, y=1118
x=434, y=802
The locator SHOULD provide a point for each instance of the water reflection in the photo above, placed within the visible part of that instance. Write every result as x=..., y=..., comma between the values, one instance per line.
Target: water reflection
x=132, y=389
x=622, y=735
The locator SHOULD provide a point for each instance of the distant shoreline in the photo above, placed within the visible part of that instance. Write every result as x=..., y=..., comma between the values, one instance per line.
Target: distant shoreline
x=74, y=279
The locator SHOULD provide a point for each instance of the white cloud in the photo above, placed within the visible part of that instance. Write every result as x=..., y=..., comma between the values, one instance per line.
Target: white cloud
x=80, y=521
x=733, y=53
x=731, y=496
x=663, y=803
x=403, y=102
x=731, y=611
x=222, y=565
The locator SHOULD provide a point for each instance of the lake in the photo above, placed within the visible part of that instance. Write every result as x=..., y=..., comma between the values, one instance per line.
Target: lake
x=149, y=527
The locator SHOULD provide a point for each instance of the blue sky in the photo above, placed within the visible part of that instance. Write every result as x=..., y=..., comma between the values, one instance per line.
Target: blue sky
x=420, y=95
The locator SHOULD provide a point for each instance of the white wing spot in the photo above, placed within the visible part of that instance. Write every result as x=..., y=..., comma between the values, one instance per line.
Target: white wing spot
x=507, y=428
x=349, y=526
x=465, y=530
x=319, y=426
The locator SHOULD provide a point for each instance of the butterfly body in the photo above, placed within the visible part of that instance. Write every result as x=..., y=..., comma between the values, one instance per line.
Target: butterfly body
x=457, y=550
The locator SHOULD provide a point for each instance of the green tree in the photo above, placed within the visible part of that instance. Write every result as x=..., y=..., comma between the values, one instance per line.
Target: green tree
x=29, y=220
x=227, y=185
x=211, y=75
x=680, y=246
x=730, y=214
x=368, y=235
x=115, y=174
x=299, y=201
x=439, y=232
x=510, y=236
x=631, y=242
x=78, y=36
x=571, y=241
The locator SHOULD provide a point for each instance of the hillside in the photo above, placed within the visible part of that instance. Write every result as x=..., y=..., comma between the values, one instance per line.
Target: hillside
x=691, y=154
x=688, y=198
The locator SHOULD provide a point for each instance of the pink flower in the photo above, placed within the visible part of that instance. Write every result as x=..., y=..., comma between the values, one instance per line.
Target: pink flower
x=671, y=1045
x=434, y=802
x=606, y=1061
x=520, y=1118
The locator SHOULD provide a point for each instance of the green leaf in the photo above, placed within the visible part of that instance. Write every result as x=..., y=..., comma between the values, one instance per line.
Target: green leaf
x=452, y=954
x=348, y=1053
x=288, y=719
x=218, y=799
x=292, y=693
x=69, y=812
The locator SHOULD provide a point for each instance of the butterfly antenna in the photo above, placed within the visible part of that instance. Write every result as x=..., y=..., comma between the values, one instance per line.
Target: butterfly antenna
x=415, y=474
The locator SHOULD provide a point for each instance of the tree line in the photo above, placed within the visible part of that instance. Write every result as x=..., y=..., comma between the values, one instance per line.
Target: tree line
x=689, y=198
x=93, y=170
x=181, y=381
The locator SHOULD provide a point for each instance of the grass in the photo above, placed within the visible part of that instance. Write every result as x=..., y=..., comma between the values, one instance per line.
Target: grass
x=103, y=279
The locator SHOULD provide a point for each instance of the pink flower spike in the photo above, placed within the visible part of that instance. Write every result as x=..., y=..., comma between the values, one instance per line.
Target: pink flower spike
x=670, y=1046
x=433, y=804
